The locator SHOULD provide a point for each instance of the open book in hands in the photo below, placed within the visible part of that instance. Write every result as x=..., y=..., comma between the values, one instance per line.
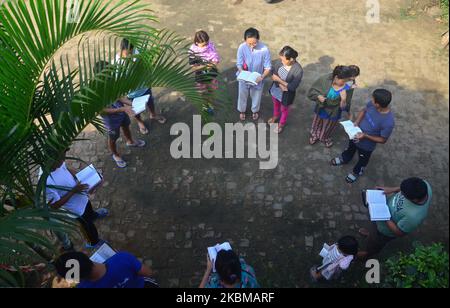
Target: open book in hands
x=89, y=176
x=377, y=204
x=351, y=130
x=140, y=104
x=213, y=251
x=249, y=77
x=102, y=254
x=325, y=250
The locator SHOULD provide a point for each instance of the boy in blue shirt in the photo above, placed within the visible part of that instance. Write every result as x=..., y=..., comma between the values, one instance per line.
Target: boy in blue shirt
x=122, y=270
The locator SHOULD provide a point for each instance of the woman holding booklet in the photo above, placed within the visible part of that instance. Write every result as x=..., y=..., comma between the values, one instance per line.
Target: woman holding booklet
x=230, y=272
x=327, y=93
x=287, y=76
x=252, y=56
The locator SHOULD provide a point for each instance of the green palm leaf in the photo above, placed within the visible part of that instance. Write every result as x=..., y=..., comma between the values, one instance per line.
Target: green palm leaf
x=46, y=100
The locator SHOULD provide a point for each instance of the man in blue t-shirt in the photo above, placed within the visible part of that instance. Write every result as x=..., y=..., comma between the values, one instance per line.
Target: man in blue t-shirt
x=122, y=270
x=377, y=124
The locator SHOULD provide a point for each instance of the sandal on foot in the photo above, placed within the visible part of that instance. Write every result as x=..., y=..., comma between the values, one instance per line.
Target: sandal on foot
x=279, y=129
x=242, y=116
x=143, y=130
x=272, y=120
x=256, y=116
x=313, y=140
x=119, y=161
x=337, y=162
x=351, y=178
x=138, y=144
x=328, y=143
x=102, y=213
x=160, y=119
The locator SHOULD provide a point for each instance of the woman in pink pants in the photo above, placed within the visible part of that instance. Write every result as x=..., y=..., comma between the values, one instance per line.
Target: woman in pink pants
x=287, y=75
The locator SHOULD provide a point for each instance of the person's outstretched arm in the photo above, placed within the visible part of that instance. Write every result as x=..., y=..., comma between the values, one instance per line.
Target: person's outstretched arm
x=207, y=273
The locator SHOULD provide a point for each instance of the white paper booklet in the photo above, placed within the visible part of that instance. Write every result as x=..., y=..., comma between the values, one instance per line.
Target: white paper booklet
x=325, y=251
x=89, y=176
x=249, y=77
x=140, y=104
x=351, y=129
x=103, y=253
x=212, y=252
x=377, y=204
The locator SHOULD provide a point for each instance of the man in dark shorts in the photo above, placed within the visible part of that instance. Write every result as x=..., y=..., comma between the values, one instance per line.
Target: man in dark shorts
x=116, y=117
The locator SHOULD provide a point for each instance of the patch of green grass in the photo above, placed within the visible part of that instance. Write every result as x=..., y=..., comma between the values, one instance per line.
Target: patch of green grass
x=444, y=7
x=407, y=14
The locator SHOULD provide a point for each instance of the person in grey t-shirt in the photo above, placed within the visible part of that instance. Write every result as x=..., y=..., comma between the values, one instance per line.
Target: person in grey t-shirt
x=377, y=123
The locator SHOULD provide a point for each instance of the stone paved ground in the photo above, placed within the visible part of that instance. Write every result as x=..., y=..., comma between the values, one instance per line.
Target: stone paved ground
x=168, y=211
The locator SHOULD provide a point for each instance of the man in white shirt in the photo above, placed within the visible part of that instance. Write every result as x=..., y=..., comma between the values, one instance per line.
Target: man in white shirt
x=63, y=190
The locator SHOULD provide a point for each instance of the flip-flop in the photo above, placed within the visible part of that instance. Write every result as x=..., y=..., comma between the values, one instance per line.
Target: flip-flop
x=102, y=213
x=351, y=178
x=255, y=116
x=143, y=130
x=313, y=140
x=138, y=144
x=279, y=129
x=242, y=116
x=120, y=162
x=272, y=120
x=160, y=119
x=328, y=143
x=337, y=162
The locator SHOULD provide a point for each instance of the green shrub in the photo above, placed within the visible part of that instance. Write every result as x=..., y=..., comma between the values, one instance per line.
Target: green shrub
x=444, y=7
x=427, y=267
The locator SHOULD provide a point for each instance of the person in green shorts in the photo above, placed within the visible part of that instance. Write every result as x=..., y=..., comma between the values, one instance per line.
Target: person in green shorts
x=408, y=205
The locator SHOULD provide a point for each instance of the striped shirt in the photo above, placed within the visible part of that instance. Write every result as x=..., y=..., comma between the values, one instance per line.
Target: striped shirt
x=333, y=256
x=276, y=91
x=335, y=262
